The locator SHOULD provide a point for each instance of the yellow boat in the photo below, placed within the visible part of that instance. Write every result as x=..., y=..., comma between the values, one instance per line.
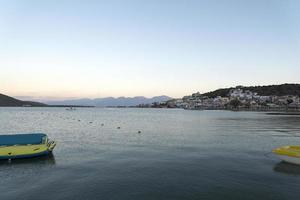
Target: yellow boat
x=290, y=154
x=25, y=145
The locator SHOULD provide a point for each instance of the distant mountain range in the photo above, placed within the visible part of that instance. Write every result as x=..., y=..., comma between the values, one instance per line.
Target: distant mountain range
x=10, y=101
x=99, y=102
x=111, y=101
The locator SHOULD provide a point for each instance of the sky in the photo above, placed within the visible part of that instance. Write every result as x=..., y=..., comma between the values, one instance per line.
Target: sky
x=77, y=49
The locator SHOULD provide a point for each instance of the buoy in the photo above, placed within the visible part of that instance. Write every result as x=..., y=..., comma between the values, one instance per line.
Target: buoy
x=91, y=122
x=139, y=131
x=118, y=127
x=102, y=124
x=79, y=120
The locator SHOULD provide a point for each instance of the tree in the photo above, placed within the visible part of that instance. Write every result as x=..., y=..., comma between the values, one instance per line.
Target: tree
x=235, y=103
x=289, y=101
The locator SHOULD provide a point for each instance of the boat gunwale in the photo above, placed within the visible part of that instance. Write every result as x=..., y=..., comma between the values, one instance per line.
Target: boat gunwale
x=291, y=151
x=16, y=145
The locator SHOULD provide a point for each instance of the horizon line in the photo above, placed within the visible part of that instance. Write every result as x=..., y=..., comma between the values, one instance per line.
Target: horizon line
x=57, y=98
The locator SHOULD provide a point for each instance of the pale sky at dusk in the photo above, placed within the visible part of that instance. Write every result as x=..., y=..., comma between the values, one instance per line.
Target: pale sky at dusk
x=146, y=48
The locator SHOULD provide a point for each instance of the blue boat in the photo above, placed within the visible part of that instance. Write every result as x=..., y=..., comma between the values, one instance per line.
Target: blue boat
x=25, y=145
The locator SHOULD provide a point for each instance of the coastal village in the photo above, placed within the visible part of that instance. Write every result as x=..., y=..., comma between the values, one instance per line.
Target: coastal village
x=284, y=97
x=236, y=99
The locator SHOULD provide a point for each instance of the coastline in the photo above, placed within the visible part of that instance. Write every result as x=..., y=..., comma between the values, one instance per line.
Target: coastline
x=271, y=111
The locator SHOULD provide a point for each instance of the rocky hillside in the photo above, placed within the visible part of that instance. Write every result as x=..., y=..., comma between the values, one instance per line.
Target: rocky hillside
x=12, y=102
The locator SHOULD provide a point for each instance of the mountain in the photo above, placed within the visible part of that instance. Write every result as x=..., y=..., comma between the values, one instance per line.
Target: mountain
x=111, y=101
x=10, y=101
x=267, y=90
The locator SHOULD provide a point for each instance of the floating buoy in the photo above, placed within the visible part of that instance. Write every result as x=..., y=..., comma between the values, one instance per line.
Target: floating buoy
x=118, y=127
x=102, y=124
x=79, y=120
x=90, y=122
x=139, y=131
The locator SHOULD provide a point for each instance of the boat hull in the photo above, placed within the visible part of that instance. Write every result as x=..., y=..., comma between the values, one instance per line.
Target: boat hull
x=289, y=159
x=25, y=151
x=290, y=154
x=45, y=153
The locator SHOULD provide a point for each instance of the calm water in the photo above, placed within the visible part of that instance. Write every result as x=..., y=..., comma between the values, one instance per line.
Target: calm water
x=179, y=154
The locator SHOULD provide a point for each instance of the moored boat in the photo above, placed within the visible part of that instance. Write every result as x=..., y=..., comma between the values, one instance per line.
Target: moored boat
x=70, y=108
x=25, y=145
x=290, y=154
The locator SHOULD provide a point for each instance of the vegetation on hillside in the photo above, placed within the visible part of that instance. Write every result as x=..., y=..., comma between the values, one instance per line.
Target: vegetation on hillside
x=277, y=90
x=10, y=101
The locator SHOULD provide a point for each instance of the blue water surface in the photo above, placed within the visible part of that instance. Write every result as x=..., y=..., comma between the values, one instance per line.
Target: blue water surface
x=118, y=153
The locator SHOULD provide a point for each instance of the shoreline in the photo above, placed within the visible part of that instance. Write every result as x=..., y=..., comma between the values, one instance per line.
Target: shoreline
x=268, y=111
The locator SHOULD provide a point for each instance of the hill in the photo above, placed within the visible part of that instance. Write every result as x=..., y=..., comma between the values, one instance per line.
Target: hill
x=277, y=90
x=10, y=101
x=111, y=101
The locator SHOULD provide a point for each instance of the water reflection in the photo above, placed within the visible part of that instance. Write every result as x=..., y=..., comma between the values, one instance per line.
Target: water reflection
x=43, y=160
x=287, y=168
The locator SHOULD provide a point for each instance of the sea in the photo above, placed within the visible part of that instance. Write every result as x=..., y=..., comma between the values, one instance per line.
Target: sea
x=152, y=154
